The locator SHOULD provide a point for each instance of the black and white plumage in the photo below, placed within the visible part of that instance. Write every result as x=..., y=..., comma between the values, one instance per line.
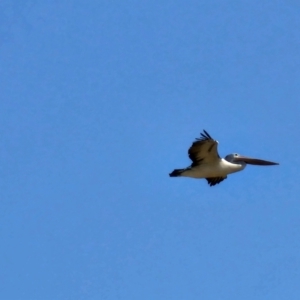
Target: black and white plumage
x=206, y=162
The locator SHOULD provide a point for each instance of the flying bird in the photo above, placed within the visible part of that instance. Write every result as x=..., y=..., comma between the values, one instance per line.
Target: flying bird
x=208, y=164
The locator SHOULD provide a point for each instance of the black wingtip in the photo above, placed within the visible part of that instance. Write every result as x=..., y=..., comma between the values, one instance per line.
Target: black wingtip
x=207, y=134
x=215, y=180
x=176, y=173
x=204, y=136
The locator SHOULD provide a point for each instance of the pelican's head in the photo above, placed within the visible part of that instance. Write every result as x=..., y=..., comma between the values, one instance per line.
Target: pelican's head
x=240, y=159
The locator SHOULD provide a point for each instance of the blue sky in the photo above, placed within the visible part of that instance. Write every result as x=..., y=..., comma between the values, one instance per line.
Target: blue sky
x=100, y=100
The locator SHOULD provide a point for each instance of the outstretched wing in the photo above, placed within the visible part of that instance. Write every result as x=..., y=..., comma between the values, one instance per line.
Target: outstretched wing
x=215, y=180
x=204, y=150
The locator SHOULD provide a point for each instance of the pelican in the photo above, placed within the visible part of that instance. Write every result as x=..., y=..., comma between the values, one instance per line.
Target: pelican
x=208, y=164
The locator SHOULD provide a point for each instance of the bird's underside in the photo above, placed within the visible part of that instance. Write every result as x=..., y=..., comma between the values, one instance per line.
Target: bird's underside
x=184, y=173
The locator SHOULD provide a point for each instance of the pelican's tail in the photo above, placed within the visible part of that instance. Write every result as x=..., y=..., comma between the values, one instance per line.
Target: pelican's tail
x=176, y=172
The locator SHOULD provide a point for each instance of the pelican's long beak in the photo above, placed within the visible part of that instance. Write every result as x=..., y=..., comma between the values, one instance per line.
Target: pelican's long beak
x=255, y=161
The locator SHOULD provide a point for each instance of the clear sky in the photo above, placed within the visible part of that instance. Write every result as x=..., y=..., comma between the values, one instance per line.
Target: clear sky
x=100, y=100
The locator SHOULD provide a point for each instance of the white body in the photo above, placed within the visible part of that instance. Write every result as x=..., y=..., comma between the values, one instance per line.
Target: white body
x=220, y=168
